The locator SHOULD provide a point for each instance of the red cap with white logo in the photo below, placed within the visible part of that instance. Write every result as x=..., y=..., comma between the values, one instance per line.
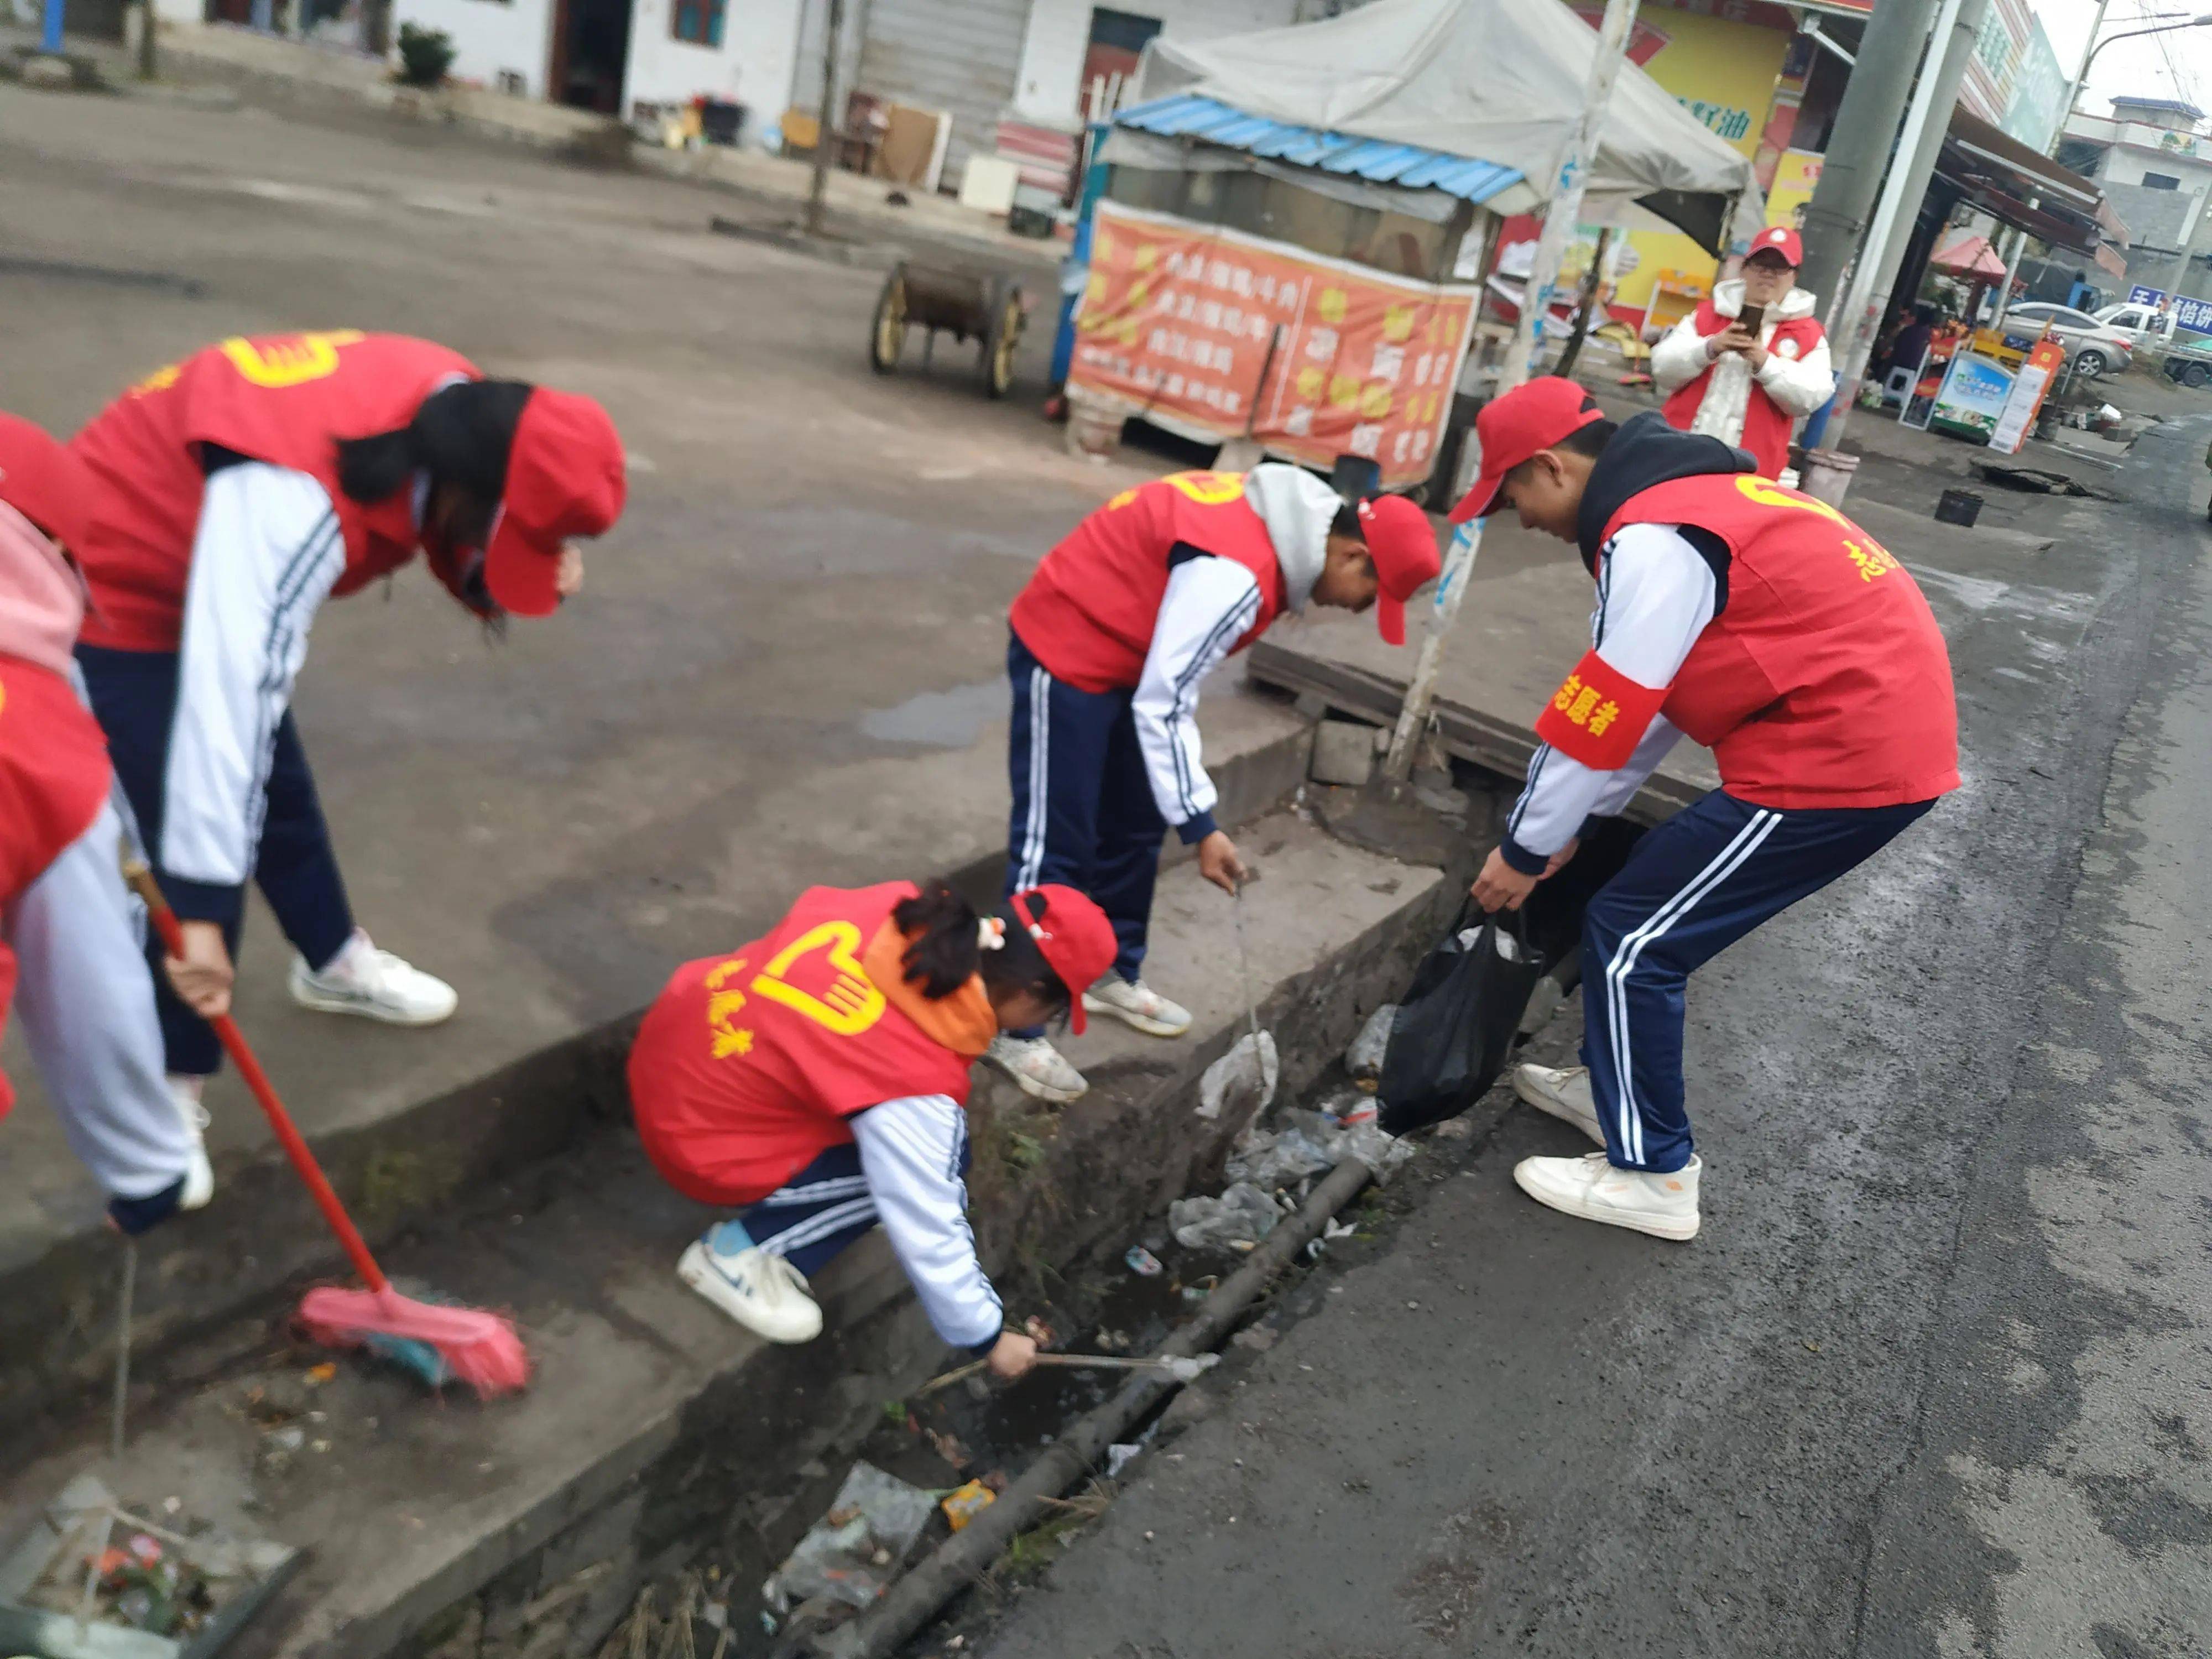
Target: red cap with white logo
x=1778, y=239
x=1077, y=941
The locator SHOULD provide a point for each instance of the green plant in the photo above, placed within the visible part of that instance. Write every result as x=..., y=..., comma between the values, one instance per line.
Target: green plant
x=425, y=55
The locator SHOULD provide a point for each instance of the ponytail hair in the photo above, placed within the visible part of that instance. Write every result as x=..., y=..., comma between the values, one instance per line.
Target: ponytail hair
x=461, y=435
x=945, y=947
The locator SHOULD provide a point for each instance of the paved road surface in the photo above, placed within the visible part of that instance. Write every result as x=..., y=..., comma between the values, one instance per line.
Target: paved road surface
x=1936, y=1380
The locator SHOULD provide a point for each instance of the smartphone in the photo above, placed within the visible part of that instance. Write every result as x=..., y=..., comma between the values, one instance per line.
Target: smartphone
x=1751, y=320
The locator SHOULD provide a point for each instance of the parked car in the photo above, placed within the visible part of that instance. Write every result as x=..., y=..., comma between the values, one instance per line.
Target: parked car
x=2093, y=348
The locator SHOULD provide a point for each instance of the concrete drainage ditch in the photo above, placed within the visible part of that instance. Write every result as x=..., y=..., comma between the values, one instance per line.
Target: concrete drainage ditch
x=662, y=1456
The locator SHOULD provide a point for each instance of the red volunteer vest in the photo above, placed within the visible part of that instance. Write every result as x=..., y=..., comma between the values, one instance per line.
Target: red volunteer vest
x=284, y=400
x=1824, y=682
x=747, y=1065
x=53, y=778
x=1089, y=612
x=1765, y=427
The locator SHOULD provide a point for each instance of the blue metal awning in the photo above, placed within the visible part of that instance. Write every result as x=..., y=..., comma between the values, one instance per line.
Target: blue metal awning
x=1189, y=115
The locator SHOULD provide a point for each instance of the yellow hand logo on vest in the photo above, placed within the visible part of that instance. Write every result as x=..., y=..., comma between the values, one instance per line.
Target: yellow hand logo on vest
x=1207, y=489
x=1871, y=557
x=850, y=1006
x=729, y=1038
x=294, y=360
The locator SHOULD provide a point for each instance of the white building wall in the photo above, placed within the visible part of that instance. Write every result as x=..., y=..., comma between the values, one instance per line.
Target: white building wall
x=1049, y=88
x=754, y=65
x=489, y=36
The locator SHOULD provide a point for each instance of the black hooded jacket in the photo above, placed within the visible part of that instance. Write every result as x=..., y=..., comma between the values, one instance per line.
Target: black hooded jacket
x=1645, y=452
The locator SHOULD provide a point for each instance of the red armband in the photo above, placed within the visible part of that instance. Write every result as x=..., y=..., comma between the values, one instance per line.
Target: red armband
x=1600, y=715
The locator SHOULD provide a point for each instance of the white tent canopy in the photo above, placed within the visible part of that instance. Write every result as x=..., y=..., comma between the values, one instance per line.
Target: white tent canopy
x=1500, y=81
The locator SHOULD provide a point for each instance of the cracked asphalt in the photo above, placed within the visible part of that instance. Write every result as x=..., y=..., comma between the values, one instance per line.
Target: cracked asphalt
x=1934, y=1380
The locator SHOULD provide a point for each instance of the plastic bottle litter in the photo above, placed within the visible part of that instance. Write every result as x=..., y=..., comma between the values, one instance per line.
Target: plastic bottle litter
x=1242, y=1216
x=851, y=1554
x=1364, y=1059
x=1143, y=1263
x=1268, y=1160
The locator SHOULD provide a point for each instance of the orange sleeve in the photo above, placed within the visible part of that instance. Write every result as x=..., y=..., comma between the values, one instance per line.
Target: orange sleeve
x=1599, y=715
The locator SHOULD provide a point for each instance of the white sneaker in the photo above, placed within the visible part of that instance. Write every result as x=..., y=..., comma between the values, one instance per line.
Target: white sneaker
x=1663, y=1206
x=764, y=1293
x=1135, y=1003
x=199, y=1174
x=374, y=984
x=1564, y=1093
x=1040, y=1069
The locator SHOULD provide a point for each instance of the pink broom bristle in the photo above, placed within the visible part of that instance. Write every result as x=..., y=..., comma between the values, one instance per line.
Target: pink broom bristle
x=483, y=1350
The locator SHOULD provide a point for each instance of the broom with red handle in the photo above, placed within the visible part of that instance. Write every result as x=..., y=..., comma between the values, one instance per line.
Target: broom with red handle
x=467, y=1345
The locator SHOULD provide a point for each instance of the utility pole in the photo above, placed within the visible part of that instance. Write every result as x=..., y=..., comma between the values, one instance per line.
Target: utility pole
x=1875, y=277
x=833, y=30
x=1563, y=208
x=1860, y=142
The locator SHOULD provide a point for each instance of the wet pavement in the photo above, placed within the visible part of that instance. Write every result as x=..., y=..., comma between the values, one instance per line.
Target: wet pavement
x=1932, y=1380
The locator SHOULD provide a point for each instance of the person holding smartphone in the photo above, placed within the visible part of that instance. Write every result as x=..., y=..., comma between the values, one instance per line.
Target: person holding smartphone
x=1751, y=362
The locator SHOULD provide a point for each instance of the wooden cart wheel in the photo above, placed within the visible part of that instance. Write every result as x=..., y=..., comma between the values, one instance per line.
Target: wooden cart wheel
x=887, y=334
x=1004, y=318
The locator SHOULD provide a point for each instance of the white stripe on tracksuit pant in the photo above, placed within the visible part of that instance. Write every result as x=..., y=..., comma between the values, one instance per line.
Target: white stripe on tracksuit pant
x=1693, y=886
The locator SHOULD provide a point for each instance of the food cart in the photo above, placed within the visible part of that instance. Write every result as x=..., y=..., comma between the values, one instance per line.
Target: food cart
x=1276, y=266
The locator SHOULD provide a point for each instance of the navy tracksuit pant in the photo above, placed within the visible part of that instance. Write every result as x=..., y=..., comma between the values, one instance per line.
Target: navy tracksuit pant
x=1084, y=814
x=134, y=696
x=1693, y=887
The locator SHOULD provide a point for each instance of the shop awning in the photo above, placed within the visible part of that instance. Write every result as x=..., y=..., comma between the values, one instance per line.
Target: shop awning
x=1410, y=167
x=1492, y=82
x=2023, y=188
x=1965, y=254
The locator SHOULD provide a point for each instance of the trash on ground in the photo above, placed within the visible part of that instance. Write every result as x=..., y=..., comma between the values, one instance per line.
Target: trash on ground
x=1119, y=1456
x=1364, y=1059
x=1242, y=1215
x=854, y=1551
x=969, y=1501
x=1241, y=1084
x=87, y=1567
x=1269, y=1159
x=1143, y=1263
x=1455, y=1032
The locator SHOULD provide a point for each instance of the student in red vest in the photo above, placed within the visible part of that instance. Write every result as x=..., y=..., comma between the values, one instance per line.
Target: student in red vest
x=1111, y=638
x=1771, y=630
x=816, y=1079
x=237, y=490
x=66, y=921
x=1745, y=387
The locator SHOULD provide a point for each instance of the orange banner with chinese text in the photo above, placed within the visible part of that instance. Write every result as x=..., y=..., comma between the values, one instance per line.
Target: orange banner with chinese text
x=1178, y=319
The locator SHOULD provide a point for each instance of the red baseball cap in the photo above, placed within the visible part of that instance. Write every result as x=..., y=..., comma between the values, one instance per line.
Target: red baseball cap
x=1404, y=550
x=1534, y=415
x=45, y=483
x=1077, y=939
x=1778, y=239
x=564, y=479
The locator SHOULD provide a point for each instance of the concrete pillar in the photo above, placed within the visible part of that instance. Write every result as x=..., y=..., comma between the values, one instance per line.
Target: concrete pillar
x=1854, y=347
x=1859, y=144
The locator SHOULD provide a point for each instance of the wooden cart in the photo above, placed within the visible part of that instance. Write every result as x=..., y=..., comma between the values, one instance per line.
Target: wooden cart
x=984, y=306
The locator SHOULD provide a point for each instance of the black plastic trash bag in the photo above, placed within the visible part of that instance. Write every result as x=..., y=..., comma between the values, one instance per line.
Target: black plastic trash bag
x=1455, y=1026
